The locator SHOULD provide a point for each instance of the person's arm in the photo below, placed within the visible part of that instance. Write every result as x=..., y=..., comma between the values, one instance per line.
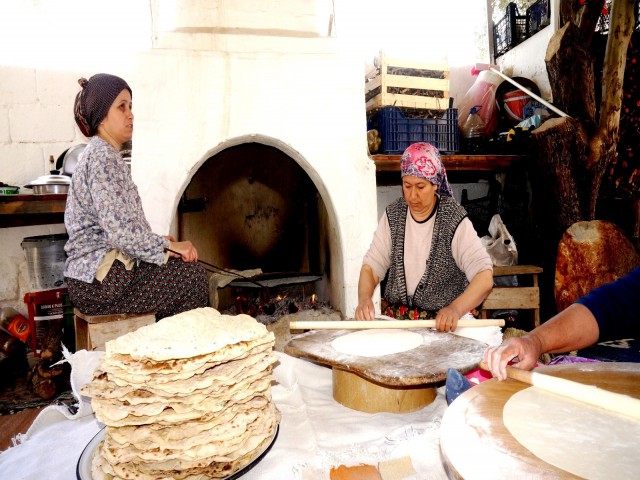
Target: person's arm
x=472, y=258
x=480, y=286
x=118, y=208
x=367, y=283
x=572, y=329
x=374, y=266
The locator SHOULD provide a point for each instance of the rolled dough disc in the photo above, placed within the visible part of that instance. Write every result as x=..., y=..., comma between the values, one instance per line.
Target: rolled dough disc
x=586, y=441
x=377, y=342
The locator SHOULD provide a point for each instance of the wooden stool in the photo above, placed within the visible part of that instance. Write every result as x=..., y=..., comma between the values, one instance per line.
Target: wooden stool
x=93, y=331
x=514, y=298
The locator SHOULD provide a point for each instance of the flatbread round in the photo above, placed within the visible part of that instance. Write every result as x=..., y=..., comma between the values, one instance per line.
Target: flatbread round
x=185, y=398
x=189, y=334
x=584, y=440
x=377, y=342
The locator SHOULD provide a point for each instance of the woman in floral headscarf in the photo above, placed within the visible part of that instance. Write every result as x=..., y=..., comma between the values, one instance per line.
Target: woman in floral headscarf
x=426, y=246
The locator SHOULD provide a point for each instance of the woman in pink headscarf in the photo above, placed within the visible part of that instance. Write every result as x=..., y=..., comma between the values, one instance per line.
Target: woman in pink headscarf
x=427, y=249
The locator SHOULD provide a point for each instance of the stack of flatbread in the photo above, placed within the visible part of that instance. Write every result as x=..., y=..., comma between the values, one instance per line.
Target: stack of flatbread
x=188, y=397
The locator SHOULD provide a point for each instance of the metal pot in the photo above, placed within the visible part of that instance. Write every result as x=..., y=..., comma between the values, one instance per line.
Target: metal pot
x=50, y=184
x=66, y=162
x=71, y=158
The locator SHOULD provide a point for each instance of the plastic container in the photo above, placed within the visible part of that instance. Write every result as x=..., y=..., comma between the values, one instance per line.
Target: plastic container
x=9, y=190
x=15, y=324
x=473, y=131
x=398, y=132
x=483, y=92
x=45, y=261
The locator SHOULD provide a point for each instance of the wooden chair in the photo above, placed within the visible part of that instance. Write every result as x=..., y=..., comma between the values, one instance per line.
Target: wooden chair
x=93, y=331
x=514, y=298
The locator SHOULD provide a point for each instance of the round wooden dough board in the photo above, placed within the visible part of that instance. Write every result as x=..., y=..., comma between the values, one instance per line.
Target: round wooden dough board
x=399, y=382
x=475, y=442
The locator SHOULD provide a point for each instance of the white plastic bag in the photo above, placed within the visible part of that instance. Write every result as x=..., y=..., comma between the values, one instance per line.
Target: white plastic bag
x=500, y=244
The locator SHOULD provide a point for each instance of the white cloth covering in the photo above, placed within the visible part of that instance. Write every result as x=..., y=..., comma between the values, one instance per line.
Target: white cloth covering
x=315, y=434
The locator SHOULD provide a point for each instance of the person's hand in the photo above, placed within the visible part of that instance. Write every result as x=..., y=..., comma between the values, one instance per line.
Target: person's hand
x=171, y=240
x=447, y=319
x=185, y=250
x=524, y=351
x=365, y=310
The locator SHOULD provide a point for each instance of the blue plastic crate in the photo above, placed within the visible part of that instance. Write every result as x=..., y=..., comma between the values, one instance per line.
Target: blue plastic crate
x=398, y=132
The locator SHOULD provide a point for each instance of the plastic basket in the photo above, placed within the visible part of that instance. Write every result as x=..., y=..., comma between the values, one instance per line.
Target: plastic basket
x=538, y=16
x=397, y=132
x=509, y=31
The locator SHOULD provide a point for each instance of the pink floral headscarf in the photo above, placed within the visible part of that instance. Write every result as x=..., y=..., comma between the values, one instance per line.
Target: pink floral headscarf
x=422, y=160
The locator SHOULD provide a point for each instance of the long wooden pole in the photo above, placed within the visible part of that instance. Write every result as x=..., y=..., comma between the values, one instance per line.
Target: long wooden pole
x=368, y=324
x=590, y=394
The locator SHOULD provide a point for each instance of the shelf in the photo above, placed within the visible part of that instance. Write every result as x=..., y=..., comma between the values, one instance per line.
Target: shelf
x=26, y=210
x=453, y=163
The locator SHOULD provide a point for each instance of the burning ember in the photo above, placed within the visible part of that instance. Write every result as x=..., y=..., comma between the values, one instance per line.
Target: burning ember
x=268, y=310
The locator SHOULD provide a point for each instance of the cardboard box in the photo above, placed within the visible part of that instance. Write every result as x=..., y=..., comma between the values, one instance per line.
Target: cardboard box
x=43, y=307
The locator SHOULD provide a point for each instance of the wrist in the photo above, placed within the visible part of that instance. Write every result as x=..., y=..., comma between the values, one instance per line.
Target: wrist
x=537, y=342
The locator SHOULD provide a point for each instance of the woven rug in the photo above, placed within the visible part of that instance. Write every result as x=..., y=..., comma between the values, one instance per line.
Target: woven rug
x=19, y=396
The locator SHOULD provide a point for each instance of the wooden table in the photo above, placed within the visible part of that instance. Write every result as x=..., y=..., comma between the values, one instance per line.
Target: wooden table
x=475, y=442
x=397, y=383
x=25, y=210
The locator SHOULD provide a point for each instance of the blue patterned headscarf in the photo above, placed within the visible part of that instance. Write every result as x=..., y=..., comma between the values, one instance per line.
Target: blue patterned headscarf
x=422, y=160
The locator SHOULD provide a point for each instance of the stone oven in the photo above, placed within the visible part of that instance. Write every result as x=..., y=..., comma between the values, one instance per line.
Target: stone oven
x=250, y=140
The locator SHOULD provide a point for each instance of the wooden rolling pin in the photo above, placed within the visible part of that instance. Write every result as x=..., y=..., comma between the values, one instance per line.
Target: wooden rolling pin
x=614, y=402
x=368, y=324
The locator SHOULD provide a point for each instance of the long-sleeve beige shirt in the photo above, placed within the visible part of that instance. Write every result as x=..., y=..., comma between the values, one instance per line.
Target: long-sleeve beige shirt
x=468, y=252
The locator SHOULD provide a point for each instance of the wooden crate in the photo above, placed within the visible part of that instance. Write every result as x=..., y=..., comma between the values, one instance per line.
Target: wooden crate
x=395, y=81
x=93, y=331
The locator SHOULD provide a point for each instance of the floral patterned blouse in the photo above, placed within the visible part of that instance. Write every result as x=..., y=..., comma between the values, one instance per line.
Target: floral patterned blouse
x=104, y=212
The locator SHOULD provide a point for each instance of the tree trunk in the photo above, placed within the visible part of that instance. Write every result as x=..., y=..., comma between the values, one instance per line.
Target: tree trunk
x=605, y=140
x=570, y=69
x=560, y=180
x=573, y=154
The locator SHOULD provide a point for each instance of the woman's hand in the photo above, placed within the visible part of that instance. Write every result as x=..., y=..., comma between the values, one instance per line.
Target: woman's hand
x=365, y=310
x=185, y=250
x=171, y=239
x=447, y=319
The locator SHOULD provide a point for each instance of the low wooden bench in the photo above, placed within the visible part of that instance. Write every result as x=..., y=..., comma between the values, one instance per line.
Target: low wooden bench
x=514, y=298
x=93, y=331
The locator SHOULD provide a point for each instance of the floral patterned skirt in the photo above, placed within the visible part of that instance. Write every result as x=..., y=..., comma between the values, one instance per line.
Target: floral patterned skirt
x=168, y=289
x=403, y=312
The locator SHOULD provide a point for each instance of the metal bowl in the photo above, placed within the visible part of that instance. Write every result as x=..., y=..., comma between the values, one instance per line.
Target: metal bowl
x=51, y=188
x=50, y=184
